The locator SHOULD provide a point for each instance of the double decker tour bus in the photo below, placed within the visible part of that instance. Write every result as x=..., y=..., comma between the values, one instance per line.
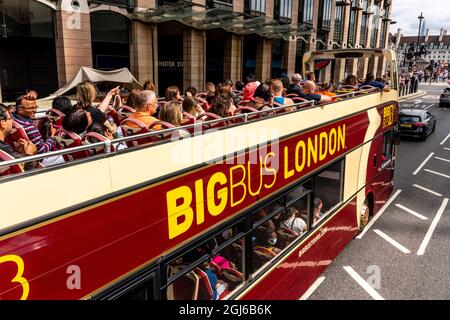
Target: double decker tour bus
x=254, y=206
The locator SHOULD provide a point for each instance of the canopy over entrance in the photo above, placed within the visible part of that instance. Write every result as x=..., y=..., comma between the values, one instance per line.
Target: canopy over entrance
x=120, y=77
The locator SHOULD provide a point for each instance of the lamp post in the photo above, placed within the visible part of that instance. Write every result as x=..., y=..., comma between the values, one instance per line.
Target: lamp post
x=421, y=17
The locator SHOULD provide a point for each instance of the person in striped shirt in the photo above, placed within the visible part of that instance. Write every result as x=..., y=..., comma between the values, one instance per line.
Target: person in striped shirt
x=25, y=111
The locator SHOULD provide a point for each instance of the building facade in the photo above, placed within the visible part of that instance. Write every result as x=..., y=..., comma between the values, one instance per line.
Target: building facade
x=438, y=47
x=182, y=42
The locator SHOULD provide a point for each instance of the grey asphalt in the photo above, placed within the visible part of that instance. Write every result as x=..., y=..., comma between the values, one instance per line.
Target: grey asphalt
x=404, y=275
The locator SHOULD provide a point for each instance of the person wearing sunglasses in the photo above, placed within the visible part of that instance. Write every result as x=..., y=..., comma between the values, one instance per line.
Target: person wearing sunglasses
x=25, y=110
x=24, y=147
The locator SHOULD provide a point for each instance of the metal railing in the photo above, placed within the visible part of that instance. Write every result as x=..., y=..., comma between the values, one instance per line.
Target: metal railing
x=195, y=129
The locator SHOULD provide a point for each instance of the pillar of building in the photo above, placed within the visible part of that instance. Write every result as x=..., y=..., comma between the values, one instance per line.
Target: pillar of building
x=339, y=73
x=290, y=46
x=73, y=39
x=376, y=60
x=326, y=76
x=144, y=47
x=144, y=52
x=356, y=62
x=194, y=57
x=263, y=59
x=233, y=57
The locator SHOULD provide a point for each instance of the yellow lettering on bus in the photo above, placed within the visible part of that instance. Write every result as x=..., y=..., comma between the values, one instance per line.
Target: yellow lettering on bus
x=270, y=169
x=18, y=278
x=323, y=145
x=300, y=145
x=341, y=138
x=249, y=180
x=312, y=150
x=222, y=194
x=333, y=141
x=287, y=173
x=240, y=183
x=176, y=212
x=199, y=202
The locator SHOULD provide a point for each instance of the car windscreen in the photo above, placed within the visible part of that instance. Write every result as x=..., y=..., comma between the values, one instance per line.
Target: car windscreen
x=409, y=119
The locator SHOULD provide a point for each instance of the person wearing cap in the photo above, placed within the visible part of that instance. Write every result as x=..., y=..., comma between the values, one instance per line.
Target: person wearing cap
x=295, y=86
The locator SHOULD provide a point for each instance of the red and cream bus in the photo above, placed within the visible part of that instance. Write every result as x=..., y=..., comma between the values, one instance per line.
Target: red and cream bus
x=264, y=203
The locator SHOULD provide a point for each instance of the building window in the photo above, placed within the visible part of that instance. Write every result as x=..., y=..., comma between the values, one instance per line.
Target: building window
x=325, y=14
x=338, y=24
x=305, y=11
x=363, y=37
x=284, y=8
x=373, y=36
x=352, y=29
x=256, y=5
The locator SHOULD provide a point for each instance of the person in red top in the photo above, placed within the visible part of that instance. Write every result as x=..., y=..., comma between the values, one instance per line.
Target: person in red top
x=146, y=105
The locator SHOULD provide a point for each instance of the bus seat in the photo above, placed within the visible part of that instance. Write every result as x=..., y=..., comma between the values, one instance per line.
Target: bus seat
x=188, y=118
x=208, y=116
x=216, y=269
x=205, y=290
x=94, y=137
x=56, y=117
x=131, y=127
x=291, y=95
x=112, y=113
x=124, y=112
x=18, y=132
x=184, y=288
x=4, y=171
x=264, y=252
x=201, y=95
x=246, y=109
x=66, y=140
x=232, y=275
x=287, y=234
x=299, y=100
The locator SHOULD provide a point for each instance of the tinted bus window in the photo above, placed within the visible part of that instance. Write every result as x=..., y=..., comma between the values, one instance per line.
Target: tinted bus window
x=328, y=187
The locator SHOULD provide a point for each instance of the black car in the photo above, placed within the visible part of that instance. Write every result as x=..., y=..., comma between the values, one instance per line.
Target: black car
x=444, y=99
x=419, y=123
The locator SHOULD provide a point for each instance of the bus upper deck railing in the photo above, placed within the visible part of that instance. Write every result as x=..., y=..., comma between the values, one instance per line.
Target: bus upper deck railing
x=180, y=132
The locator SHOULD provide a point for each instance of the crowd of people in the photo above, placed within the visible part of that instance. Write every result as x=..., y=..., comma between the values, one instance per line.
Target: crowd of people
x=147, y=110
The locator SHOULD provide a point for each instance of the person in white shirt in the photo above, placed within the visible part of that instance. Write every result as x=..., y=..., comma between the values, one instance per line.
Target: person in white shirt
x=291, y=221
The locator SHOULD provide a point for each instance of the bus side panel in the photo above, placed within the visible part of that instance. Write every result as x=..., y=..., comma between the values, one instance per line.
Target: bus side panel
x=297, y=272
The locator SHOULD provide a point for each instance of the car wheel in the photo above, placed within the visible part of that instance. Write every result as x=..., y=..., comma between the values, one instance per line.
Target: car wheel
x=423, y=136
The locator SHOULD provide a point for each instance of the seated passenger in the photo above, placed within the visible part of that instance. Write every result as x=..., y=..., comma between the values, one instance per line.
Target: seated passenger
x=149, y=85
x=370, y=81
x=249, y=90
x=218, y=286
x=223, y=262
x=295, y=87
x=131, y=100
x=210, y=88
x=311, y=76
x=146, y=105
x=290, y=220
x=172, y=94
x=351, y=80
x=100, y=129
x=78, y=121
x=268, y=239
x=24, y=147
x=317, y=211
x=277, y=91
x=25, y=111
x=326, y=90
x=191, y=107
x=261, y=97
x=171, y=113
x=62, y=104
x=309, y=88
x=190, y=92
x=221, y=105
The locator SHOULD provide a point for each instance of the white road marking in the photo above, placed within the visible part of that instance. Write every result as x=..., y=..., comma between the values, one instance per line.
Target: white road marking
x=433, y=225
x=371, y=291
x=423, y=163
x=428, y=190
x=418, y=215
x=313, y=288
x=383, y=208
x=391, y=241
x=417, y=101
x=442, y=159
x=430, y=97
x=439, y=174
x=443, y=141
x=447, y=149
x=426, y=108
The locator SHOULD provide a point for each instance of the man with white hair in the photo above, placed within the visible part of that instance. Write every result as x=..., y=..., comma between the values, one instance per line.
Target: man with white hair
x=309, y=87
x=295, y=86
x=146, y=105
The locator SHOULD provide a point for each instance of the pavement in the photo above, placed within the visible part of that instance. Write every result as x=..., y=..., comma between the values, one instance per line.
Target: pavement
x=404, y=252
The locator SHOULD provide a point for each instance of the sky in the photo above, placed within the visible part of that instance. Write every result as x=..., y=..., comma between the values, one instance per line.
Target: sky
x=405, y=12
